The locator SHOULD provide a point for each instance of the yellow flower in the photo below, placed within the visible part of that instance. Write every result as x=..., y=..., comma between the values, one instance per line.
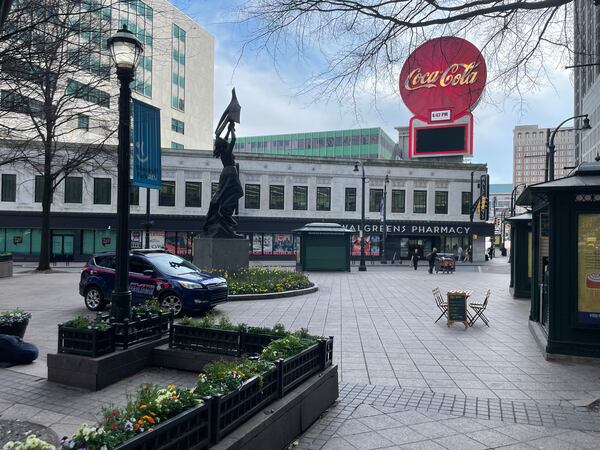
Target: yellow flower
x=171, y=387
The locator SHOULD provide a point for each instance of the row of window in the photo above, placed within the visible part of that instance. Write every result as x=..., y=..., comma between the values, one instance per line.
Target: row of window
x=73, y=193
x=178, y=45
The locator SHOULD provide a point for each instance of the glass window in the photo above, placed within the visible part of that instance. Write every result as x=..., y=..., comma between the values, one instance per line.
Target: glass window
x=276, y=196
x=9, y=187
x=300, y=197
x=420, y=202
x=177, y=126
x=323, y=199
x=172, y=265
x=375, y=198
x=177, y=146
x=73, y=189
x=398, y=200
x=214, y=187
x=466, y=203
x=134, y=195
x=252, y=196
x=193, y=194
x=102, y=190
x=441, y=202
x=39, y=189
x=105, y=241
x=350, y=199
x=18, y=241
x=166, y=195
x=88, y=93
x=138, y=265
x=83, y=122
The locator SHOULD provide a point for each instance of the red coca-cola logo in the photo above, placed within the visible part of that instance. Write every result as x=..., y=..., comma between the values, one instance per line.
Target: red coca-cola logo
x=447, y=73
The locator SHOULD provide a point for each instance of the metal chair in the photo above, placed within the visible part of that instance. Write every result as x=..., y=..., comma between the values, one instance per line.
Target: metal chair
x=479, y=310
x=440, y=303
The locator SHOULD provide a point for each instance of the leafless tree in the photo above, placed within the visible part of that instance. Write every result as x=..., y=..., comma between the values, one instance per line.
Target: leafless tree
x=365, y=42
x=55, y=95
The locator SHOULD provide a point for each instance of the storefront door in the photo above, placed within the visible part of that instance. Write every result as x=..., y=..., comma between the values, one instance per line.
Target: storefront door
x=62, y=247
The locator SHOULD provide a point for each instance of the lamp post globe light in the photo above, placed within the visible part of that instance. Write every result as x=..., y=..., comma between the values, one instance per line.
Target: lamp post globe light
x=125, y=50
x=362, y=267
x=586, y=126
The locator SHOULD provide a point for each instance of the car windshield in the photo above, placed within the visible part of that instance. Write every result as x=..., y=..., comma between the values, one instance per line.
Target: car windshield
x=173, y=265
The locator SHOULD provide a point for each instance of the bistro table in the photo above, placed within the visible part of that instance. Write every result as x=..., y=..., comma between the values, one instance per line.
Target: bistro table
x=457, y=307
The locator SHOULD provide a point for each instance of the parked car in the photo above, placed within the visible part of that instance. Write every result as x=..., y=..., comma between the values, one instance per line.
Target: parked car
x=176, y=282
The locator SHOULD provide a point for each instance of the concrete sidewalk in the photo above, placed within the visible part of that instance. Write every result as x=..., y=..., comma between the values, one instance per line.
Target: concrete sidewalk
x=406, y=382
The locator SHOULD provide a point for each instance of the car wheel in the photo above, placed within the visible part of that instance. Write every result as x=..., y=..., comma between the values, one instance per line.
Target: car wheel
x=94, y=299
x=173, y=302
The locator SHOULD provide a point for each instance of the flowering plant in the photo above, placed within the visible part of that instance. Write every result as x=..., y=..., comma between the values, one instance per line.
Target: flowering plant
x=222, y=377
x=149, y=406
x=151, y=306
x=287, y=346
x=258, y=280
x=31, y=443
x=210, y=321
x=13, y=317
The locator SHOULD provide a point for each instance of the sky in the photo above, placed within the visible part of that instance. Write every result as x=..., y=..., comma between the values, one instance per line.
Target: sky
x=271, y=103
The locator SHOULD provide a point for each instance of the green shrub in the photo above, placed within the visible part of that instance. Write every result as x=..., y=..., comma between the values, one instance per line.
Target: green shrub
x=288, y=346
x=210, y=321
x=85, y=323
x=258, y=280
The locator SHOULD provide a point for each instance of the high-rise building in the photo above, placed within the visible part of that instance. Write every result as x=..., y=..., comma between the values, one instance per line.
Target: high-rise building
x=530, y=149
x=174, y=74
x=363, y=143
x=587, y=88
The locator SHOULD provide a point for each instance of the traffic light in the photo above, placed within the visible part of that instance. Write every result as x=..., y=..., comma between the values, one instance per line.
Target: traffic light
x=484, y=207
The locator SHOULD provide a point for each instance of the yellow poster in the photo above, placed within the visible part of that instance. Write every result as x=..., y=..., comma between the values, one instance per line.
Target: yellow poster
x=588, y=263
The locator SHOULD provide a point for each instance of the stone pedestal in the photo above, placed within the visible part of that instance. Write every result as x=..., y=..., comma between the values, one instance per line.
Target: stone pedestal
x=218, y=253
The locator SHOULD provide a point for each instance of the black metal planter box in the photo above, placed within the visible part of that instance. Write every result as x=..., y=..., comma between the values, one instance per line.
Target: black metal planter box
x=16, y=329
x=296, y=369
x=252, y=343
x=189, y=430
x=86, y=342
x=229, y=411
x=209, y=340
x=141, y=329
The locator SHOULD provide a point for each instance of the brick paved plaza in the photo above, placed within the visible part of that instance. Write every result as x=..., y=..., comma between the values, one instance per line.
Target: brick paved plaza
x=405, y=381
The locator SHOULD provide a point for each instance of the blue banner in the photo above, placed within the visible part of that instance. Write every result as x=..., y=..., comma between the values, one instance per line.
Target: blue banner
x=146, y=145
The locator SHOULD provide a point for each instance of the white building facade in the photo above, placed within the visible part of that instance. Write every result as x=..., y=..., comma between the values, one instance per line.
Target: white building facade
x=427, y=206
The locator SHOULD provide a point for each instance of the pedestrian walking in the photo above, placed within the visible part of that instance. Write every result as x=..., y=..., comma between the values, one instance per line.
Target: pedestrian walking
x=415, y=259
x=461, y=253
x=431, y=257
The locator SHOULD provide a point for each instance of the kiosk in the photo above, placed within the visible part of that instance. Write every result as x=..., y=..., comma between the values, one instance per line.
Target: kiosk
x=565, y=300
x=323, y=246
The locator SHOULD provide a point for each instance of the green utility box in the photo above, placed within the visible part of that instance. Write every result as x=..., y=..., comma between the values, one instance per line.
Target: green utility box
x=324, y=247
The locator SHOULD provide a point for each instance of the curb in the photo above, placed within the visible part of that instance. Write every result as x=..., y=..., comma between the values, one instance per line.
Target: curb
x=272, y=295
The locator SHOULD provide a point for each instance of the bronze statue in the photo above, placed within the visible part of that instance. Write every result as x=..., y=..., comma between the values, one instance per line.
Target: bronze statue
x=219, y=221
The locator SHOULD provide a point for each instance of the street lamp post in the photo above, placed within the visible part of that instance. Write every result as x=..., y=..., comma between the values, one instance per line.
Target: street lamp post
x=513, y=199
x=125, y=50
x=586, y=126
x=383, y=256
x=362, y=267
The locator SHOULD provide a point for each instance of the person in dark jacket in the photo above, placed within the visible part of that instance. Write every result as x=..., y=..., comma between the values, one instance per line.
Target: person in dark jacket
x=415, y=259
x=431, y=259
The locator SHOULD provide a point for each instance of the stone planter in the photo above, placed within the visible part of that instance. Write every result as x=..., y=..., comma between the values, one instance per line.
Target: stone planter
x=17, y=329
x=6, y=265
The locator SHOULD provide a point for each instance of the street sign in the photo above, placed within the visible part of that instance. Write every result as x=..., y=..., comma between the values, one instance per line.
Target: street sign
x=146, y=145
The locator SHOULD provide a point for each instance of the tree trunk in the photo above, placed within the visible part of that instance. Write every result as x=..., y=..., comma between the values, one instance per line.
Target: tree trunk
x=44, y=263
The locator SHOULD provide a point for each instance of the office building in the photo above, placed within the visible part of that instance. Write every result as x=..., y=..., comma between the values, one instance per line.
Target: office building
x=586, y=37
x=174, y=74
x=530, y=150
x=364, y=143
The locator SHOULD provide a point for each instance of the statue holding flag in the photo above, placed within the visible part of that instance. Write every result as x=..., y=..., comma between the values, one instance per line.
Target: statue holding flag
x=219, y=219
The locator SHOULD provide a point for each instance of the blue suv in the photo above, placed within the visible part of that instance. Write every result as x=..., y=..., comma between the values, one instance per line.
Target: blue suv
x=176, y=282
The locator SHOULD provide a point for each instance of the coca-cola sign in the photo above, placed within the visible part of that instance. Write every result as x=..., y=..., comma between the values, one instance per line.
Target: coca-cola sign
x=447, y=73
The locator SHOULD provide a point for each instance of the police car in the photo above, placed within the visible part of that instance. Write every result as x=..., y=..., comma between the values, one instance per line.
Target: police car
x=176, y=282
